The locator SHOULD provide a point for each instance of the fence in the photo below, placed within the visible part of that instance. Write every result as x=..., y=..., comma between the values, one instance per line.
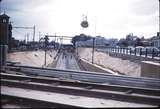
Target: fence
x=148, y=53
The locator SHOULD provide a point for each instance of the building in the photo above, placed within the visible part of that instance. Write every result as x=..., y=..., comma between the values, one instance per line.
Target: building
x=156, y=40
x=99, y=42
x=5, y=31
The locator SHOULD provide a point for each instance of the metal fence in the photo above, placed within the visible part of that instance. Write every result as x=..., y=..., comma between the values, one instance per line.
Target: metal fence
x=149, y=53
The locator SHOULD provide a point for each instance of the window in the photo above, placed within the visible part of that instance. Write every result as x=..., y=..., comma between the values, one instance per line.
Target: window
x=4, y=21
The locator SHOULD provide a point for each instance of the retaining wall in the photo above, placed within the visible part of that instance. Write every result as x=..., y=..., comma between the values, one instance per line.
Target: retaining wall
x=150, y=69
x=93, y=67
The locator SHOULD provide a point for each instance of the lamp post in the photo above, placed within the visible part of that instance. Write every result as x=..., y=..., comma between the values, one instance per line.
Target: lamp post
x=46, y=42
x=0, y=7
x=159, y=15
x=93, y=46
x=93, y=51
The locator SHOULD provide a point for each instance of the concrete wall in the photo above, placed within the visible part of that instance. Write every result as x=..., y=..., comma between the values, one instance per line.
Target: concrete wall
x=150, y=69
x=85, y=65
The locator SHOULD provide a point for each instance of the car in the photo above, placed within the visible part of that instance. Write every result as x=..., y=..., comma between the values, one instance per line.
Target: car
x=154, y=50
x=140, y=50
x=117, y=46
x=131, y=48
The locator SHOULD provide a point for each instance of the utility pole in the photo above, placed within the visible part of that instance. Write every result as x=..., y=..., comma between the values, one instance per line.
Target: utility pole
x=93, y=46
x=159, y=15
x=39, y=35
x=0, y=7
x=93, y=51
x=60, y=41
x=76, y=47
x=34, y=33
x=46, y=42
x=27, y=37
x=55, y=41
x=28, y=28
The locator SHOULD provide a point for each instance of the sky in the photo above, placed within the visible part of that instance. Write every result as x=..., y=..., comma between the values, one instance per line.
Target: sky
x=107, y=18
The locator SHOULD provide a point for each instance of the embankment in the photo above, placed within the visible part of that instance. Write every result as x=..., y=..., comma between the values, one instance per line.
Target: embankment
x=125, y=67
x=32, y=58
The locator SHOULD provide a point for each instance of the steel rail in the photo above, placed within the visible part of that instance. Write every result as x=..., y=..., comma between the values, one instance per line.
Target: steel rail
x=86, y=72
x=125, y=89
x=89, y=76
x=105, y=94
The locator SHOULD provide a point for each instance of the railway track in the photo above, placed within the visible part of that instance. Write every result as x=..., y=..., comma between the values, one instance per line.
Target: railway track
x=115, y=92
x=9, y=101
x=95, y=77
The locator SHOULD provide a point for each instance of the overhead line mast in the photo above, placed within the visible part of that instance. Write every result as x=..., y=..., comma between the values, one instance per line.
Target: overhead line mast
x=28, y=28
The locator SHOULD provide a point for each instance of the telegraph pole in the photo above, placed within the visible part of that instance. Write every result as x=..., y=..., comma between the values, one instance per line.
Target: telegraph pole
x=159, y=15
x=76, y=48
x=0, y=7
x=46, y=42
x=93, y=50
x=93, y=46
x=34, y=33
x=39, y=35
x=27, y=37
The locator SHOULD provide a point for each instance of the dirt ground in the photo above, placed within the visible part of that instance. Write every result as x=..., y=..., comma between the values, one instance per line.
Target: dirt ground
x=32, y=58
x=116, y=64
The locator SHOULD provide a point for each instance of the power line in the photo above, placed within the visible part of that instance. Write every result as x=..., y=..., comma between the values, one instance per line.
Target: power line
x=33, y=28
x=18, y=32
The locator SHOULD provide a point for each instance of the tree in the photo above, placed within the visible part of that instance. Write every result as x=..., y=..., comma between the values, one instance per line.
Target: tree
x=138, y=42
x=123, y=42
x=81, y=37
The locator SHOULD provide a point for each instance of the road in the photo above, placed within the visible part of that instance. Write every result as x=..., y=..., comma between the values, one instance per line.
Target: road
x=67, y=61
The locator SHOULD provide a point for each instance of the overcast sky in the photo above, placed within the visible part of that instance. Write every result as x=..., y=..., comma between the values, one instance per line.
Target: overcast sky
x=108, y=18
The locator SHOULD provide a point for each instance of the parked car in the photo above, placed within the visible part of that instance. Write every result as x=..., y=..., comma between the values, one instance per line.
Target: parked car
x=154, y=50
x=140, y=49
x=131, y=48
